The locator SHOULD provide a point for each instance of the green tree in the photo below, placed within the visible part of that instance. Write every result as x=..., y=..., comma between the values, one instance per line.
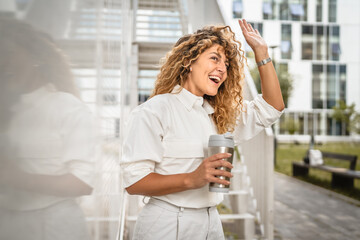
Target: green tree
x=347, y=116
x=291, y=126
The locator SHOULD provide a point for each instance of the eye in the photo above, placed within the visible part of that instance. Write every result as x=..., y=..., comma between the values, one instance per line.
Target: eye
x=215, y=58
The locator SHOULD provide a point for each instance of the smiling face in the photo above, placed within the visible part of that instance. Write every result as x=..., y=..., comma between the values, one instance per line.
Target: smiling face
x=208, y=72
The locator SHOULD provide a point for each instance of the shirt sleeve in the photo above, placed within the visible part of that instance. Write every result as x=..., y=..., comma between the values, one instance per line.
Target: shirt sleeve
x=254, y=117
x=142, y=146
x=79, y=143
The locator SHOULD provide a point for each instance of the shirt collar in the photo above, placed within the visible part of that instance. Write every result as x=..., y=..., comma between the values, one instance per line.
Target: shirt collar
x=190, y=100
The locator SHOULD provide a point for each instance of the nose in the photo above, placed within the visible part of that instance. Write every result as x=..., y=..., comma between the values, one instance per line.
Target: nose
x=222, y=66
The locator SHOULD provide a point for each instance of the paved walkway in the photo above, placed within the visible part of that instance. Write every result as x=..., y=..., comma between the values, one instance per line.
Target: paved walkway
x=306, y=212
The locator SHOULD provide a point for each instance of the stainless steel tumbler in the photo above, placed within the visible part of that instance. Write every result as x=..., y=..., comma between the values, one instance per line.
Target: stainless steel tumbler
x=221, y=144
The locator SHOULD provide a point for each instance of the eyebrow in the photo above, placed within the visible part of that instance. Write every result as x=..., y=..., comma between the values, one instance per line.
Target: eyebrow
x=217, y=54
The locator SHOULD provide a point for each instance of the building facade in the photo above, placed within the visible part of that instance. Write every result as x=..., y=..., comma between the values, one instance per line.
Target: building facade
x=317, y=42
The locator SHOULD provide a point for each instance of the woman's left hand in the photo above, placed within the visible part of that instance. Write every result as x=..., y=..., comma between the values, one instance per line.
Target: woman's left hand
x=253, y=38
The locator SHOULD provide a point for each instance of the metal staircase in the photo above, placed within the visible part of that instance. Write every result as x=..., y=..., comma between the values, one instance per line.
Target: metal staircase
x=158, y=26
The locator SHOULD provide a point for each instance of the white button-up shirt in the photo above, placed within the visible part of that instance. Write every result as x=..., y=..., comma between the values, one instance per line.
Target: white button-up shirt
x=169, y=134
x=51, y=133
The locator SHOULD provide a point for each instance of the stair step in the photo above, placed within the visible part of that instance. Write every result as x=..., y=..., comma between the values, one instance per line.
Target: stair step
x=237, y=192
x=131, y=218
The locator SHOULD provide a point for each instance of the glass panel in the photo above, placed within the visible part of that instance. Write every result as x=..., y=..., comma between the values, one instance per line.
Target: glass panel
x=317, y=96
x=284, y=11
x=342, y=83
x=307, y=42
x=320, y=127
x=334, y=43
x=268, y=9
x=286, y=41
x=332, y=10
x=297, y=11
x=320, y=43
x=237, y=9
x=329, y=125
x=319, y=10
x=331, y=86
x=310, y=123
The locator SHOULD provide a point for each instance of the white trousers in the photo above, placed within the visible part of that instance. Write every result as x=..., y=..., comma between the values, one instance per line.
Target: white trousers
x=160, y=220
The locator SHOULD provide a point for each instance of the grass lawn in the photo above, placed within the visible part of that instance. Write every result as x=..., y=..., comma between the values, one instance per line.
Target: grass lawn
x=287, y=153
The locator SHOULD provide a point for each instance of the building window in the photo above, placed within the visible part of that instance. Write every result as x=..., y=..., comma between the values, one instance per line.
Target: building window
x=332, y=10
x=334, y=43
x=319, y=9
x=286, y=47
x=321, y=42
x=342, y=87
x=317, y=88
x=328, y=85
x=307, y=42
x=331, y=85
x=268, y=9
x=295, y=10
x=237, y=9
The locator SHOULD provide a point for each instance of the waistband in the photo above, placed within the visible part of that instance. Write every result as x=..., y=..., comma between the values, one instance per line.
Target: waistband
x=174, y=208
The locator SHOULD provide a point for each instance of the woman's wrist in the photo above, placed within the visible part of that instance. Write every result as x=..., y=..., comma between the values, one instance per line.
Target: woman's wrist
x=188, y=182
x=261, y=54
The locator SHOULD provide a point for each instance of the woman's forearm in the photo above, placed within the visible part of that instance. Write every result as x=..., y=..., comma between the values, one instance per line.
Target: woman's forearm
x=157, y=185
x=270, y=86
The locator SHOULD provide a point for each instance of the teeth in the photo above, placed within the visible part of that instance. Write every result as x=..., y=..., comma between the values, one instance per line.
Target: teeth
x=216, y=78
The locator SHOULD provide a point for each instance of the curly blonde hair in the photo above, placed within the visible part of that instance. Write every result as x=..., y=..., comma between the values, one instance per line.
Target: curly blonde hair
x=176, y=68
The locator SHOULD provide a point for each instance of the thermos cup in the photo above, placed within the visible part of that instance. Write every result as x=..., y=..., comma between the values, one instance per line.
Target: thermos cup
x=221, y=144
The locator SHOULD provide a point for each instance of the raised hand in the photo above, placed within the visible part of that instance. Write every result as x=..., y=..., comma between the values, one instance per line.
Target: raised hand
x=253, y=38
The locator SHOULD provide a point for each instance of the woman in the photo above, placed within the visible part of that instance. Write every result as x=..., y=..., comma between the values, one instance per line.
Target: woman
x=197, y=93
x=46, y=139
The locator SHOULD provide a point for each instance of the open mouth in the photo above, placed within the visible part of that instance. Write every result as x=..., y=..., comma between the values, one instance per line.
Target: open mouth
x=215, y=79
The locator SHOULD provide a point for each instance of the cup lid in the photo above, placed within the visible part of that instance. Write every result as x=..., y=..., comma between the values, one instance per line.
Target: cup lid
x=221, y=140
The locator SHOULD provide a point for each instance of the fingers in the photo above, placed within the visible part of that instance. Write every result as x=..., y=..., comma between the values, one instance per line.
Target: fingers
x=247, y=27
x=217, y=160
x=243, y=26
x=219, y=181
x=219, y=156
x=224, y=173
x=221, y=163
